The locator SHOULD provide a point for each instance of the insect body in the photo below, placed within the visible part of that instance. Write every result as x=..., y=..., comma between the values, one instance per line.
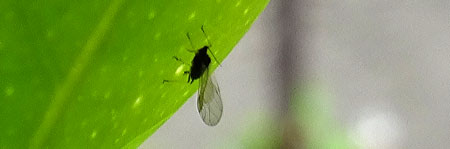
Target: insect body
x=200, y=63
x=209, y=101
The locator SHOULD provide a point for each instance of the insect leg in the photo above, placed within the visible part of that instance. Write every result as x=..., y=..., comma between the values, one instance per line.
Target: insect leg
x=180, y=60
x=169, y=81
x=179, y=81
x=173, y=81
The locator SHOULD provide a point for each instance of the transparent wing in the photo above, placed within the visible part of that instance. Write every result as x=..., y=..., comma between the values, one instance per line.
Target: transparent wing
x=209, y=103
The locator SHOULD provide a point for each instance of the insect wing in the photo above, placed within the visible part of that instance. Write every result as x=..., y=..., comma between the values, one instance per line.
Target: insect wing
x=209, y=103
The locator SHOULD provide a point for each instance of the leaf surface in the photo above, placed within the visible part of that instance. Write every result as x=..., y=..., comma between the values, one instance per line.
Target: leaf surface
x=88, y=73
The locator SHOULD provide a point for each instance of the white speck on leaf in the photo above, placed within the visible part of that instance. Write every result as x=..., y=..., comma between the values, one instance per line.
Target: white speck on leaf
x=191, y=16
x=141, y=72
x=93, y=134
x=124, y=132
x=107, y=94
x=137, y=101
x=179, y=70
x=245, y=11
x=247, y=22
x=186, y=93
x=163, y=94
x=238, y=3
x=157, y=36
x=9, y=91
x=151, y=15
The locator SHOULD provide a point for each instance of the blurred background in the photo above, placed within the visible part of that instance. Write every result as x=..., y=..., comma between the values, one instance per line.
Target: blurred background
x=330, y=74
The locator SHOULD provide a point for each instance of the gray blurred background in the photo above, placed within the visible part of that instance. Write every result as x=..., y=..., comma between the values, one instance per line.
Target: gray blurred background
x=384, y=66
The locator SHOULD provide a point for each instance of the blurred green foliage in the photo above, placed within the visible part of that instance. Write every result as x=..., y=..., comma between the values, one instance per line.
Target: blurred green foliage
x=310, y=124
x=312, y=105
x=88, y=73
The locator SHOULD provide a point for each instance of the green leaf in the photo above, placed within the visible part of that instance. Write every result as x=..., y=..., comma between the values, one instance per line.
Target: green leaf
x=89, y=73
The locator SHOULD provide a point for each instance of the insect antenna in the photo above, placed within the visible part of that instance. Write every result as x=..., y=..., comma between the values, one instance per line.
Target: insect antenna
x=210, y=45
x=190, y=41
